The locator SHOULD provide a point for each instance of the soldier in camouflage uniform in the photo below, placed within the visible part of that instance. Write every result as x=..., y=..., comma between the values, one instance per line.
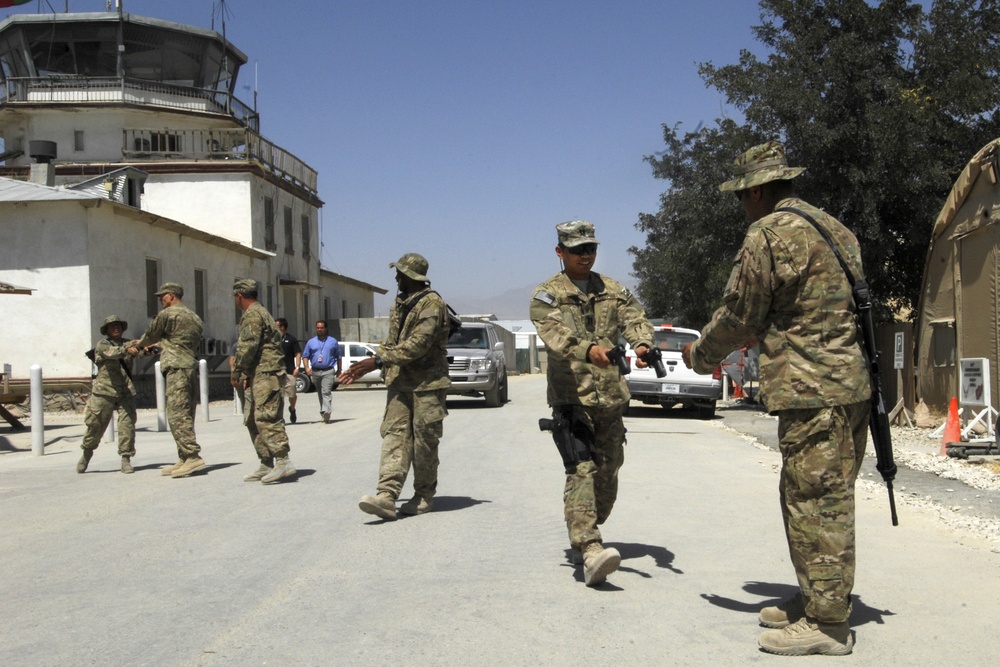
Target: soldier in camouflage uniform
x=415, y=363
x=176, y=330
x=580, y=315
x=112, y=390
x=259, y=366
x=788, y=292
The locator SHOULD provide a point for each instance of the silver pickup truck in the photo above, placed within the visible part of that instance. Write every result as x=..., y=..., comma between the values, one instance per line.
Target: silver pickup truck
x=681, y=384
x=476, y=363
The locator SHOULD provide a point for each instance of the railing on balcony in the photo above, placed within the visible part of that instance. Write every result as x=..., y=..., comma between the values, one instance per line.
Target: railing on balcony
x=222, y=144
x=114, y=90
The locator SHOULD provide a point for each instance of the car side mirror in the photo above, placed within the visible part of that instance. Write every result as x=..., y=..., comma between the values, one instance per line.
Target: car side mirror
x=498, y=346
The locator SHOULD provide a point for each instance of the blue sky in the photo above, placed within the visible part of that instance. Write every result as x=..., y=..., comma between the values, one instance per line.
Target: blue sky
x=466, y=130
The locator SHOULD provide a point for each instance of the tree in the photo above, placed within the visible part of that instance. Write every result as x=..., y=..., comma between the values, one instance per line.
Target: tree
x=883, y=104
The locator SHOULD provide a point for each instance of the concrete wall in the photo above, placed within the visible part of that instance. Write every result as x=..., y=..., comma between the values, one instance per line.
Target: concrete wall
x=219, y=204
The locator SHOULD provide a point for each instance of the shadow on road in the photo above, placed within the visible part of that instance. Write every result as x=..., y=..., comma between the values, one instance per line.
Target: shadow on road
x=776, y=593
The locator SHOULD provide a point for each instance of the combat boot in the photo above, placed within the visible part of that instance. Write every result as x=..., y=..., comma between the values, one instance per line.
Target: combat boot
x=808, y=637
x=291, y=415
x=784, y=613
x=382, y=506
x=191, y=465
x=127, y=465
x=282, y=468
x=166, y=471
x=81, y=465
x=258, y=474
x=417, y=505
x=598, y=563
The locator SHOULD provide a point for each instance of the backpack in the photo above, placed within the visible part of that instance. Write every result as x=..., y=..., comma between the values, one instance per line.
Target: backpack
x=454, y=321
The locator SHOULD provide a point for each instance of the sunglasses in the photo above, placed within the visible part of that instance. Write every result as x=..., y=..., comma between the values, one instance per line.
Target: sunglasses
x=739, y=195
x=585, y=249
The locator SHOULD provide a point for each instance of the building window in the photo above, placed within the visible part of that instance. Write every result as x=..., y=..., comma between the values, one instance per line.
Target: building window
x=343, y=308
x=359, y=311
x=305, y=312
x=269, y=243
x=289, y=235
x=164, y=142
x=306, y=239
x=78, y=141
x=199, y=293
x=944, y=343
x=270, y=298
x=152, y=284
x=326, y=308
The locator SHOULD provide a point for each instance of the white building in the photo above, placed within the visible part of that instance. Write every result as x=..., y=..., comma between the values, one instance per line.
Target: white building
x=144, y=168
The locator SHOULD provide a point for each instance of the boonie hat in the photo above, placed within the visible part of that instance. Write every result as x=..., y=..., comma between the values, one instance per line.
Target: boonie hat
x=576, y=232
x=412, y=266
x=111, y=319
x=244, y=285
x=761, y=164
x=170, y=288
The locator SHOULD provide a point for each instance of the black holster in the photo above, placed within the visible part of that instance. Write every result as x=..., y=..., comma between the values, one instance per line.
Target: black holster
x=572, y=436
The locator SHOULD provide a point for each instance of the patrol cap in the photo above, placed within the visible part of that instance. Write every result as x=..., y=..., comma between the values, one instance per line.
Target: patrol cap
x=111, y=319
x=413, y=266
x=761, y=164
x=170, y=288
x=576, y=232
x=244, y=285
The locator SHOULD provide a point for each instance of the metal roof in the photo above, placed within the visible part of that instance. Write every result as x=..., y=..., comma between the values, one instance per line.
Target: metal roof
x=12, y=190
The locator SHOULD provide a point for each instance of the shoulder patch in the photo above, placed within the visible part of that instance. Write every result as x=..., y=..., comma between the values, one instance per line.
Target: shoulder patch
x=545, y=297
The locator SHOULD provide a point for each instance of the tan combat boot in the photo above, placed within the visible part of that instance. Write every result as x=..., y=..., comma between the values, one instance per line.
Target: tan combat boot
x=191, y=465
x=417, y=505
x=258, y=474
x=127, y=465
x=598, y=563
x=808, y=637
x=81, y=465
x=382, y=506
x=282, y=468
x=166, y=471
x=784, y=613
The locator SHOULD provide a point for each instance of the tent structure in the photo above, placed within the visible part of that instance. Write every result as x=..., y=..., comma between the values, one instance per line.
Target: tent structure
x=960, y=294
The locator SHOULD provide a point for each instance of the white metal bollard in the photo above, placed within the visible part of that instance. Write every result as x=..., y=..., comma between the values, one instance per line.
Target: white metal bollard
x=161, y=398
x=109, y=432
x=37, y=412
x=203, y=386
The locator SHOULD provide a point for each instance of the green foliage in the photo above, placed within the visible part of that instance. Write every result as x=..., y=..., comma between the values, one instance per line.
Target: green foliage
x=883, y=104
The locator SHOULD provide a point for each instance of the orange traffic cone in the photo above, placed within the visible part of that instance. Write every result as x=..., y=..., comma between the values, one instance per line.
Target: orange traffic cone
x=952, y=429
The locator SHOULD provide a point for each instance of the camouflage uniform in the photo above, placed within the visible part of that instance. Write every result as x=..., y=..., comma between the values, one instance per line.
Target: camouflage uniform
x=570, y=322
x=416, y=376
x=260, y=360
x=788, y=290
x=111, y=390
x=177, y=330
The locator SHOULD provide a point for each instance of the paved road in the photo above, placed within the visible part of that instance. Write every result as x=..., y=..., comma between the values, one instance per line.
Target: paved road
x=109, y=569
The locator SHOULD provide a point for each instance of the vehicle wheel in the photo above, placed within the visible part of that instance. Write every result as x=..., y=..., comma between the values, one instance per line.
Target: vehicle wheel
x=706, y=412
x=303, y=384
x=493, y=395
x=504, y=393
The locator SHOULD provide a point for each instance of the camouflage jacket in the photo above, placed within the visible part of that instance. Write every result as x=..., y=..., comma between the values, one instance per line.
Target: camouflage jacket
x=111, y=379
x=177, y=330
x=787, y=289
x=569, y=322
x=415, y=355
x=258, y=348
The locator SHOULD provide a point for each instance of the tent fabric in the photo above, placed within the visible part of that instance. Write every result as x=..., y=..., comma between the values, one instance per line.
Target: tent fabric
x=958, y=313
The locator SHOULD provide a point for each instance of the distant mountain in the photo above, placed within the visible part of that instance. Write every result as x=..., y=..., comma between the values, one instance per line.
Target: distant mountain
x=510, y=305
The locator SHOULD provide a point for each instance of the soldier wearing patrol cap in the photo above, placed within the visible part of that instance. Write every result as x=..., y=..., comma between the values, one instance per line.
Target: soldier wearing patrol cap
x=176, y=332
x=788, y=291
x=580, y=315
x=112, y=390
x=259, y=366
x=416, y=376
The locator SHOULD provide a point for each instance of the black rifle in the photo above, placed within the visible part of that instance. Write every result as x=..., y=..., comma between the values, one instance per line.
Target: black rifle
x=571, y=437
x=878, y=421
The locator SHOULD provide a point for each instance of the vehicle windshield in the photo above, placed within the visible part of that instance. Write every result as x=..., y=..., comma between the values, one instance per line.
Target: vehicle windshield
x=469, y=338
x=672, y=341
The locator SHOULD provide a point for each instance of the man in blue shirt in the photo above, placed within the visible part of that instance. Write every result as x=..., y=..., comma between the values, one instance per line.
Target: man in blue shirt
x=321, y=358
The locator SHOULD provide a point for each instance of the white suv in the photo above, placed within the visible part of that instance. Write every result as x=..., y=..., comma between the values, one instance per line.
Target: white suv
x=681, y=384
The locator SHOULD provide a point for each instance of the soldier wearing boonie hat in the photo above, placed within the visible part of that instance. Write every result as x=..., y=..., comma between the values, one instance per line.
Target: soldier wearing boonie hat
x=112, y=389
x=580, y=315
x=788, y=292
x=176, y=332
x=259, y=367
x=415, y=363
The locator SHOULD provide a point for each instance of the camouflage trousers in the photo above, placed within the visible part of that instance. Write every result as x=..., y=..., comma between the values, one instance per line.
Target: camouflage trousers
x=265, y=405
x=98, y=415
x=591, y=490
x=411, y=430
x=821, y=451
x=181, y=387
